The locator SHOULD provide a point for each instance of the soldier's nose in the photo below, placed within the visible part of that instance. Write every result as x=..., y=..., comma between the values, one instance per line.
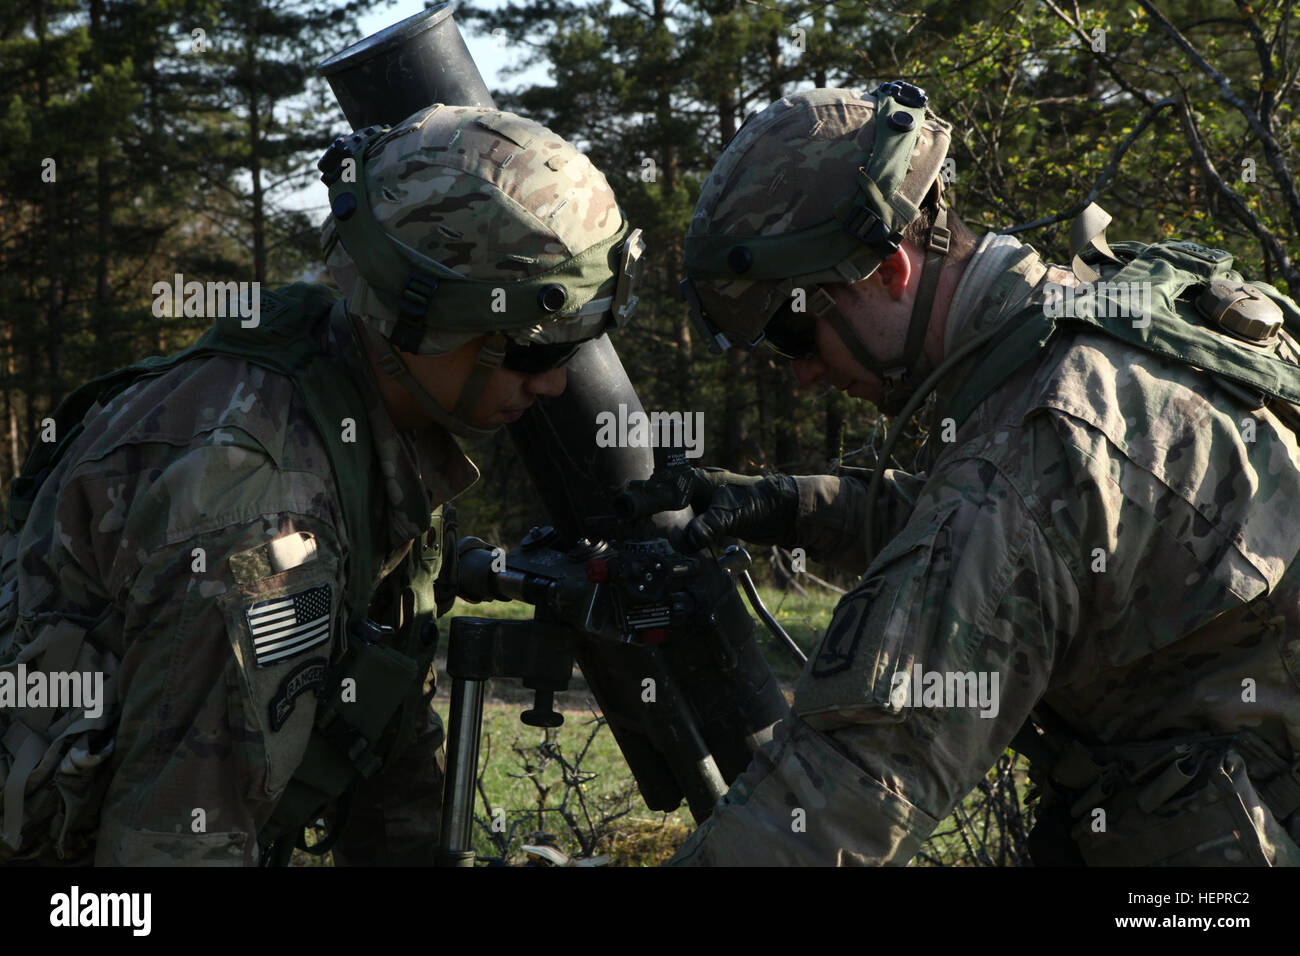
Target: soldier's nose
x=550, y=382
x=808, y=370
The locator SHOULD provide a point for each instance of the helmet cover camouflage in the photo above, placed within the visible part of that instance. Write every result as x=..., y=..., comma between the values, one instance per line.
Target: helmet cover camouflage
x=495, y=208
x=795, y=171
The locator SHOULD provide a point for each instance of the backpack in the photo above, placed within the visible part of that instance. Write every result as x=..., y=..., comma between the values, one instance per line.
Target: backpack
x=1177, y=329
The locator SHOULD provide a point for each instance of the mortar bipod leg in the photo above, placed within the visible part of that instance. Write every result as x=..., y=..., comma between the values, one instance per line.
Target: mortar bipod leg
x=465, y=725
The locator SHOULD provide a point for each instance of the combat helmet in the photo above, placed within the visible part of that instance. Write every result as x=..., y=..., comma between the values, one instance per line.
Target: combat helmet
x=818, y=187
x=463, y=221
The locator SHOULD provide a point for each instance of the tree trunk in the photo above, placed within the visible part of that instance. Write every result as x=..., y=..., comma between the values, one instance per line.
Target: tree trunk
x=834, y=435
x=814, y=35
x=733, y=403
x=776, y=380
x=104, y=306
x=683, y=381
x=11, y=409
x=53, y=296
x=788, y=454
x=733, y=410
x=255, y=162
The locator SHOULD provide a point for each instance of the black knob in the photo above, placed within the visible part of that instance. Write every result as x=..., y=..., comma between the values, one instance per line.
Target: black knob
x=538, y=536
x=552, y=297
x=740, y=258
x=901, y=121
x=344, y=205
x=542, y=714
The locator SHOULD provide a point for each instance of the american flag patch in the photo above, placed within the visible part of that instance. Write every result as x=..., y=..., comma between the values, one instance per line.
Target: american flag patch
x=289, y=625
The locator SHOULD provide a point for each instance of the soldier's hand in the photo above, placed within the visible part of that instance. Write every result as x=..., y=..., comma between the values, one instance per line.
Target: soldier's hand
x=758, y=509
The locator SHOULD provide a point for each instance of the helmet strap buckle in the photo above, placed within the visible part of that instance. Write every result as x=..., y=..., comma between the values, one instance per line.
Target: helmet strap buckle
x=865, y=225
x=413, y=307
x=717, y=339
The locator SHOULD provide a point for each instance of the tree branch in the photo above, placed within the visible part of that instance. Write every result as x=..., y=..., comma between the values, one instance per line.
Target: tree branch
x=1235, y=202
x=778, y=553
x=1107, y=172
x=1272, y=151
x=1107, y=62
x=1268, y=79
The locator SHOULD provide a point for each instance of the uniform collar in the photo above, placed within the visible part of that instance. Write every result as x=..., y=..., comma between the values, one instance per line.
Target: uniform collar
x=420, y=468
x=997, y=281
x=969, y=313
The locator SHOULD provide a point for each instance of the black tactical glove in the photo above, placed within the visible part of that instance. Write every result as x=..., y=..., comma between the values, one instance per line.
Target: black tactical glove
x=758, y=509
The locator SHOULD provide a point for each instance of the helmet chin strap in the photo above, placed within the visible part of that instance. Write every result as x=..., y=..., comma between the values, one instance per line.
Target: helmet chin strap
x=904, y=374
x=456, y=421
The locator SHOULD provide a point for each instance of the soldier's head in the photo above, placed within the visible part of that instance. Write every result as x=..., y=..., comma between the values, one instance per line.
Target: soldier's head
x=821, y=232
x=479, y=250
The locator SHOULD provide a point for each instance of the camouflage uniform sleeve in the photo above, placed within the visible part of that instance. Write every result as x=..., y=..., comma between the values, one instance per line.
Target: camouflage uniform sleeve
x=929, y=667
x=228, y=625
x=830, y=527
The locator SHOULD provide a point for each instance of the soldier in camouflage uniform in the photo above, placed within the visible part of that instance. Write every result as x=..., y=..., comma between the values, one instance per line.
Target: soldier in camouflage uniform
x=1109, y=533
x=192, y=543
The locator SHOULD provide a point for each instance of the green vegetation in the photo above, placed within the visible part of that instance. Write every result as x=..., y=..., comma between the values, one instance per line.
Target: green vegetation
x=527, y=772
x=572, y=783
x=174, y=152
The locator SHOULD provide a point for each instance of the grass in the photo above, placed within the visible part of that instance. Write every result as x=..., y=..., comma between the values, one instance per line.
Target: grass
x=529, y=774
x=572, y=784
x=803, y=618
x=522, y=775
x=973, y=834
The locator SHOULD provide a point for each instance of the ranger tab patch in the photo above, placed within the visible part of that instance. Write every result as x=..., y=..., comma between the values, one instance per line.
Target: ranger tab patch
x=309, y=675
x=289, y=625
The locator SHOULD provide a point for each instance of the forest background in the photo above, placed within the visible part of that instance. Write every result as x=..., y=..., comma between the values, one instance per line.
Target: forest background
x=144, y=139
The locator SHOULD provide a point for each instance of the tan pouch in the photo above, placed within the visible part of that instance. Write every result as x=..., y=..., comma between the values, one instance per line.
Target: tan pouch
x=1216, y=803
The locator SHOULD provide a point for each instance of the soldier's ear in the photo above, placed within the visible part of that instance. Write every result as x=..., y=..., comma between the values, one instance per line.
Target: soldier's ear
x=894, y=273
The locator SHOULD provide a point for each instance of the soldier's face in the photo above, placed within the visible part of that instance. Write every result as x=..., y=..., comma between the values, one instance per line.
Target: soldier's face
x=879, y=309
x=881, y=325
x=506, y=396
x=509, y=394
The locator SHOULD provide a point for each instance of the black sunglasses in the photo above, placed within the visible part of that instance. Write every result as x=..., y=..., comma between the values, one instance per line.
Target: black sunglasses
x=535, y=359
x=791, y=335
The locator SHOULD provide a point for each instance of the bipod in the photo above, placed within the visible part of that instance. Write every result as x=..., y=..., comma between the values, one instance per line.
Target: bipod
x=539, y=654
